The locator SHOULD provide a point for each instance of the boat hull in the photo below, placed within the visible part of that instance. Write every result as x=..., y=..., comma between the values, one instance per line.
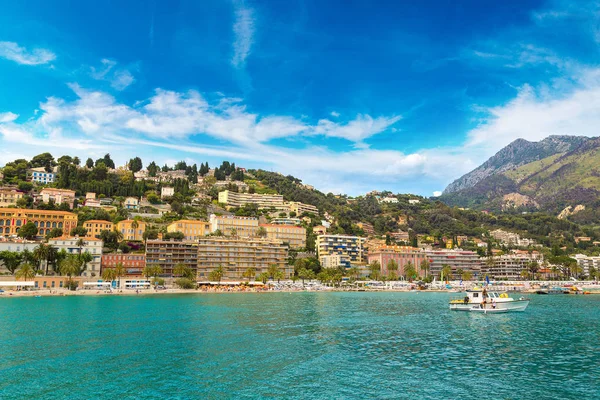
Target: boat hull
x=505, y=306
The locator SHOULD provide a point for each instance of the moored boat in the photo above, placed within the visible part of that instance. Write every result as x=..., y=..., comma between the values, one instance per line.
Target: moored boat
x=480, y=300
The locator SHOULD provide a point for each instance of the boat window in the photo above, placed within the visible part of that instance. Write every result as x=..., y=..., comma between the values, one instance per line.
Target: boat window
x=475, y=294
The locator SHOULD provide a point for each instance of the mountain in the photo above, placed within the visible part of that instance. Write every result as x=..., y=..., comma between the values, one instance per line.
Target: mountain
x=549, y=175
x=516, y=154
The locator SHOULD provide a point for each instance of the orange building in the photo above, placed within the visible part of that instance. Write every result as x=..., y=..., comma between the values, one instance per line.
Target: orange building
x=12, y=219
x=133, y=263
x=132, y=229
x=95, y=226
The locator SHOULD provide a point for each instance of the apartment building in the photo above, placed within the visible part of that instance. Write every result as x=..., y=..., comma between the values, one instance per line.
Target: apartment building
x=58, y=196
x=168, y=253
x=301, y=208
x=508, y=266
x=286, y=221
x=167, y=191
x=351, y=247
x=242, y=186
x=511, y=238
x=456, y=259
x=95, y=226
x=132, y=229
x=191, y=229
x=133, y=263
x=131, y=203
x=236, y=255
x=11, y=219
x=402, y=255
x=41, y=176
x=9, y=197
x=233, y=199
x=294, y=235
x=243, y=226
x=587, y=262
x=71, y=245
x=367, y=228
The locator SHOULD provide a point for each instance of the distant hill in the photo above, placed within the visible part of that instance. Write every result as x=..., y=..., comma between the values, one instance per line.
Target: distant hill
x=550, y=175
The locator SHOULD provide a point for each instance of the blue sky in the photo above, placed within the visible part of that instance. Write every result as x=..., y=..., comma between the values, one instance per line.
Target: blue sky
x=349, y=96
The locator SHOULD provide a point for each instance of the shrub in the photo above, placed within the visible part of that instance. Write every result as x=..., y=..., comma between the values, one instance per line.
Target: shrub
x=185, y=283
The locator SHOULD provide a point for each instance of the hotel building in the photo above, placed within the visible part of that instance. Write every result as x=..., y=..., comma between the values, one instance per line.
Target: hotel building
x=168, y=253
x=301, y=208
x=236, y=255
x=233, y=199
x=351, y=248
x=244, y=226
x=294, y=235
x=191, y=229
x=58, y=196
x=132, y=229
x=508, y=266
x=11, y=219
x=95, y=226
x=456, y=259
x=39, y=175
x=134, y=264
x=401, y=254
x=9, y=197
x=91, y=245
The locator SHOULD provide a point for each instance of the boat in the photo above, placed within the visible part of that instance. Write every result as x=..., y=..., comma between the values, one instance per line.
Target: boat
x=480, y=300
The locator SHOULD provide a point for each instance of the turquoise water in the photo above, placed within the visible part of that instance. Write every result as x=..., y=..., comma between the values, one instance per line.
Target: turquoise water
x=301, y=345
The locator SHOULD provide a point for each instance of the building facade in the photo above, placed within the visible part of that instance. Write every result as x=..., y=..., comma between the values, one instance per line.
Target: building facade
x=58, y=196
x=41, y=176
x=350, y=247
x=244, y=226
x=132, y=229
x=402, y=255
x=233, y=199
x=456, y=259
x=12, y=219
x=301, y=208
x=508, y=266
x=131, y=203
x=133, y=263
x=236, y=255
x=293, y=235
x=9, y=197
x=91, y=245
x=168, y=253
x=95, y=226
x=167, y=191
x=191, y=229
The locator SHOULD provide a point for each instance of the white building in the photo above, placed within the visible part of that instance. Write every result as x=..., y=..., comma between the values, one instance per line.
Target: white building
x=40, y=175
x=391, y=200
x=92, y=246
x=131, y=203
x=167, y=191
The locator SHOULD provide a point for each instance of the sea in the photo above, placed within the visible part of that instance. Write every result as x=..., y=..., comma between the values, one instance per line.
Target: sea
x=309, y=345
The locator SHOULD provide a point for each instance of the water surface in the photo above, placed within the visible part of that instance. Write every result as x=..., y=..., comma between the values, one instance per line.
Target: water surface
x=300, y=345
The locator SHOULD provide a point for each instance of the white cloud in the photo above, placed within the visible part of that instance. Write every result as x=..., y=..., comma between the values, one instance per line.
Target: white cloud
x=437, y=193
x=364, y=126
x=119, y=78
x=243, y=31
x=335, y=114
x=12, y=51
x=8, y=117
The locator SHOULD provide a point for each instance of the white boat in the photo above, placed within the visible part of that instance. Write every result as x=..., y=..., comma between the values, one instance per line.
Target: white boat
x=478, y=300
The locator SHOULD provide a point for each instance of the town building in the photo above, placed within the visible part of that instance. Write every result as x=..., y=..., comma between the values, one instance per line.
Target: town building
x=587, y=262
x=243, y=226
x=242, y=186
x=456, y=259
x=367, y=228
x=167, y=191
x=91, y=245
x=90, y=196
x=12, y=219
x=301, y=208
x=511, y=238
x=134, y=263
x=293, y=235
x=168, y=253
x=390, y=200
x=414, y=201
x=131, y=203
x=350, y=247
x=132, y=229
x=286, y=221
x=41, y=176
x=509, y=266
x=334, y=261
x=58, y=196
x=319, y=230
x=95, y=226
x=234, y=199
x=402, y=255
x=191, y=229
x=9, y=197
x=399, y=236
x=236, y=255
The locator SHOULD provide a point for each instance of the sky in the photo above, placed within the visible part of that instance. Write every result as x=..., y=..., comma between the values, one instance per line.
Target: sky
x=349, y=96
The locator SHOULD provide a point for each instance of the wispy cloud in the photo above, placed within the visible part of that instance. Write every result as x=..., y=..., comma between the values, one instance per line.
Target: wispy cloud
x=12, y=51
x=119, y=78
x=8, y=117
x=243, y=31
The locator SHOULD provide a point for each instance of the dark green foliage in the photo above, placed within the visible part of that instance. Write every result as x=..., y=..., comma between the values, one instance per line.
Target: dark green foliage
x=135, y=164
x=173, y=235
x=28, y=231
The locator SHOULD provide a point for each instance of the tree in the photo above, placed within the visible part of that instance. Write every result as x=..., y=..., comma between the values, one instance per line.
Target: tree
x=108, y=161
x=152, y=169
x=263, y=277
x=108, y=274
x=375, y=270
x=466, y=275
x=28, y=231
x=135, y=164
x=409, y=271
x=45, y=160
x=274, y=272
x=11, y=260
x=70, y=267
x=89, y=163
x=79, y=231
x=233, y=232
x=25, y=272
x=425, y=267
x=120, y=272
x=54, y=233
x=216, y=274
x=446, y=272
x=42, y=253
x=261, y=232
x=307, y=274
x=354, y=273
x=392, y=267
x=249, y=273
x=183, y=271
x=152, y=271
x=174, y=235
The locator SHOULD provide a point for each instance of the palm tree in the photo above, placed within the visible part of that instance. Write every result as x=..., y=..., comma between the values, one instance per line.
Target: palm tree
x=70, y=266
x=261, y=232
x=233, y=232
x=392, y=267
x=108, y=274
x=42, y=253
x=119, y=272
x=263, y=277
x=409, y=271
x=375, y=268
x=466, y=275
x=446, y=272
x=274, y=271
x=425, y=266
x=304, y=273
x=81, y=244
x=216, y=274
x=353, y=272
x=249, y=273
x=554, y=269
x=85, y=258
x=25, y=272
